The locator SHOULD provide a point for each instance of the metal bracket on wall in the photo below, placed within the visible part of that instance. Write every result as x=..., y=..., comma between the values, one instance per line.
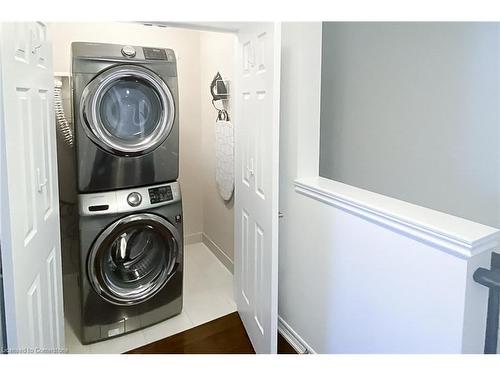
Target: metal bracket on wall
x=219, y=89
x=491, y=279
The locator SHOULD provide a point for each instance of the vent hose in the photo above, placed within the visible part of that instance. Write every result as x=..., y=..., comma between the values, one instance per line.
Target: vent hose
x=63, y=125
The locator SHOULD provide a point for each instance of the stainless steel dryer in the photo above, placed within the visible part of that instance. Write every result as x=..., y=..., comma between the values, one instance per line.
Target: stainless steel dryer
x=125, y=103
x=131, y=259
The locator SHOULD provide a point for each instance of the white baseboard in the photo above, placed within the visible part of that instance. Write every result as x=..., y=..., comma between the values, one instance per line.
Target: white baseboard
x=193, y=238
x=217, y=251
x=292, y=337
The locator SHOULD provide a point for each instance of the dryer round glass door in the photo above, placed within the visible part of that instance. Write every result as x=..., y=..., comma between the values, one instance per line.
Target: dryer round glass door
x=127, y=110
x=134, y=258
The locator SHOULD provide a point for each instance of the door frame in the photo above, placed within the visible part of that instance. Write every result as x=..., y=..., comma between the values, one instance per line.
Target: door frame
x=3, y=219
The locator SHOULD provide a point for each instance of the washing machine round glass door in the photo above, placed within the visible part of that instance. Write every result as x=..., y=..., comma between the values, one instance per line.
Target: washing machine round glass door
x=133, y=258
x=127, y=110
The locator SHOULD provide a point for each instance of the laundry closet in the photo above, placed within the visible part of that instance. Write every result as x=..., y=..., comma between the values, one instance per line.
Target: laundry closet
x=201, y=212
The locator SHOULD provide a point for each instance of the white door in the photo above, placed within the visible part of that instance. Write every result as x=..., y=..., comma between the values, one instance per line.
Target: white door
x=31, y=249
x=256, y=182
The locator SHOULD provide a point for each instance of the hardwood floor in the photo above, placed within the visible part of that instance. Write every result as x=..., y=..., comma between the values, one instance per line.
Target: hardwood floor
x=284, y=347
x=225, y=335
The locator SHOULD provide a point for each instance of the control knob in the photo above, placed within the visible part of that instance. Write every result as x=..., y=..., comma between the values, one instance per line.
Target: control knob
x=134, y=199
x=128, y=51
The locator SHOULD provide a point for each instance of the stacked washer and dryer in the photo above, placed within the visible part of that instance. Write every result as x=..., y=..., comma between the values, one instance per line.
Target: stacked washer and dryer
x=130, y=210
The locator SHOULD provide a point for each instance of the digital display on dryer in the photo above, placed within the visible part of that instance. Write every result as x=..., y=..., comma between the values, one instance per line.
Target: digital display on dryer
x=155, y=54
x=160, y=194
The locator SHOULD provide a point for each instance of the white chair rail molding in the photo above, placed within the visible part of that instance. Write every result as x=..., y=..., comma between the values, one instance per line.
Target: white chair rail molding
x=403, y=279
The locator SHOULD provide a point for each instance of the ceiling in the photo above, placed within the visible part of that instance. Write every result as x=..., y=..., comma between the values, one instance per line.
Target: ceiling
x=227, y=27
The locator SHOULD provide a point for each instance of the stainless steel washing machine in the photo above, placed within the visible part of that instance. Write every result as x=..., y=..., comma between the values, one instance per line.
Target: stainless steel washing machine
x=125, y=105
x=131, y=259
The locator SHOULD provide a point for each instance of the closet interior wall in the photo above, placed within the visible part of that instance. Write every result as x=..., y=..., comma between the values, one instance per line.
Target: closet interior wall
x=218, y=54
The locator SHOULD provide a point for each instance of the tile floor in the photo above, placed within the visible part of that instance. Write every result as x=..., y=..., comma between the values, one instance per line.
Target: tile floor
x=208, y=294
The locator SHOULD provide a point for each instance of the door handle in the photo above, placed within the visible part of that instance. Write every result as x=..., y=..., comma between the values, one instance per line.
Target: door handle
x=250, y=168
x=41, y=184
x=251, y=56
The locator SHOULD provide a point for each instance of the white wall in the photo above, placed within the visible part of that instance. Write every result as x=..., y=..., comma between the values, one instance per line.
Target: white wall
x=302, y=269
x=186, y=44
x=217, y=53
x=351, y=281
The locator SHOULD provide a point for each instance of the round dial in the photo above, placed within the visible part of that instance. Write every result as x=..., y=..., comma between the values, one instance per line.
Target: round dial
x=128, y=51
x=134, y=199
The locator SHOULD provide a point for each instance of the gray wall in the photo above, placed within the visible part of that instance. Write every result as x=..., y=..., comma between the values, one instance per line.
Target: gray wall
x=412, y=111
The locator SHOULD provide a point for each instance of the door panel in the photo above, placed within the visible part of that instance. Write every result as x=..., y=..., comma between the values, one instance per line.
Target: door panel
x=31, y=250
x=46, y=172
x=256, y=182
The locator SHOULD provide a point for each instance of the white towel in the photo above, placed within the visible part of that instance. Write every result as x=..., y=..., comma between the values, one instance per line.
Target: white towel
x=224, y=158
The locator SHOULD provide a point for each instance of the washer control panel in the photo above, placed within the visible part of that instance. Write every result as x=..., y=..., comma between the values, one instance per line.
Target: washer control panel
x=160, y=194
x=128, y=200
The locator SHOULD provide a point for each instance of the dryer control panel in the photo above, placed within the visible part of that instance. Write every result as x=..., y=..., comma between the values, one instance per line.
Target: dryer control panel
x=160, y=194
x=154, y=53
x=128, y=200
